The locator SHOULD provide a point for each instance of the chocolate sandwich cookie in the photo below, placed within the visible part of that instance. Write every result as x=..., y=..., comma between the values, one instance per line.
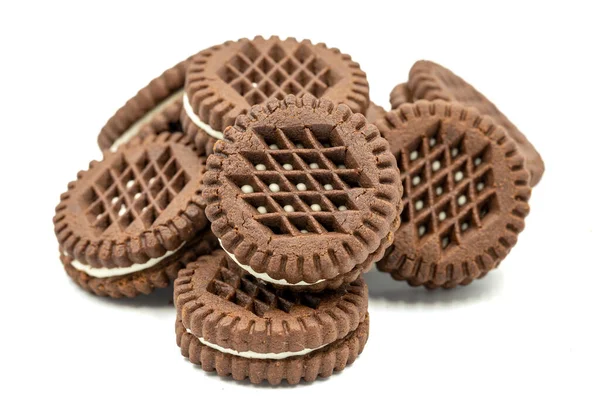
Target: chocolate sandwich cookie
x=131, y=220
x=466, y=193
x=430, y=81
x=229, y=79
x=400, y=94
x=303, y=194
x=232, y=323
x=157, y=104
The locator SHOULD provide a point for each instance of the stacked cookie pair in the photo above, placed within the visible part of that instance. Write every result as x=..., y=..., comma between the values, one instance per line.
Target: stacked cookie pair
x=248, y=175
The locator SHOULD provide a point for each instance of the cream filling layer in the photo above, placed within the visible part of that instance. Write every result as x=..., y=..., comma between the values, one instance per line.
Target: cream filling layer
x=263, y=276
x=135, y=128
x=104, y=272
x=252, y=354
x=197, y=121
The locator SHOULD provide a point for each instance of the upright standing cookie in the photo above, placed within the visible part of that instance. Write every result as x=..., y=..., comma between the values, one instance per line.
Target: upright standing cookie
x=126, y=223
x=430, y=81
x=232, y=323
x=465, y=194
x=400, y=95
x=155, y=104
x=229, y=79
x=303, y=194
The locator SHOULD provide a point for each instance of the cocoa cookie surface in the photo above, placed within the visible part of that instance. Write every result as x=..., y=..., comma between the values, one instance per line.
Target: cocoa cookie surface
x=466, y=193
x=302, y=192
x=374, y=112
x=231, y=322
x=400, y=94
x=430, y=81
x=154, y=104
x=225, y=81
x=134, y=209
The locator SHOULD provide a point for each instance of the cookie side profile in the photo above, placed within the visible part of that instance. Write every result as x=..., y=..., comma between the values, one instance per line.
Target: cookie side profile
x=400, y=94
x=430, y=81
x=231, y=78
x=466, y=194
x=134, y=210
x=301, y=191
x=232, y=323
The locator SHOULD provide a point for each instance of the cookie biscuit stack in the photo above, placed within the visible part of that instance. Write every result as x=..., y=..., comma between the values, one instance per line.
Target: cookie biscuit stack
x=248, y=175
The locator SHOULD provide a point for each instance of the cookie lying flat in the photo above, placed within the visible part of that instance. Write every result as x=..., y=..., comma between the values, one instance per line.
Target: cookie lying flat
x=430, y=81
x=302, y=194
x=133, y=216
x=400, y=95
x=227, y=80
x=466, y=194
x=154, y=104
x=232, y=323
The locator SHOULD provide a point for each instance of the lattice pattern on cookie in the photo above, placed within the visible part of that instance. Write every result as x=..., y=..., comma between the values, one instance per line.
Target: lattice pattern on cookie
x=258, y=75
x=233, y=285
x=301, y=178
x=448, y=190
x=133, y=191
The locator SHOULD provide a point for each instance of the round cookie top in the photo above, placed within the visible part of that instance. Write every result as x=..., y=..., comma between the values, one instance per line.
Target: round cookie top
x=134, y=205
x=430, y=81
x=465, y=192
x=302, y=191
x=225, y=81
x=225, y=306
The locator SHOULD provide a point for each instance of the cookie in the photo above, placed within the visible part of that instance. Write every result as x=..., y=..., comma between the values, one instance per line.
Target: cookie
x=227, y=80
x=302, y=193
x=430, y=81
x=136, y=210
x=400, y=94
x=232, y=323
x=154, y=104
x=374, y=112
x=466, y=193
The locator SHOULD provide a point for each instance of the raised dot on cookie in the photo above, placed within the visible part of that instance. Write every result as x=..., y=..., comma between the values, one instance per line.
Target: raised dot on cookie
x=458, y=176
x=301, y=186
x=261, y=209
x=416, y=180
x=260, y=167
x=114, y=200
x=342, y=208
x=422, y=230
x=477, y=161
x=137, y=196
x=462, y=200
x=130, y=184
x=288, y=208
x=419, y=205
x=480, y=186
x=442, y=215
x=254, y=84
x=328, y=186
x=464, y=226
x=454, y=152
x=341, y=166
x=274, y=147
x=439, y=190
x=288, y=167
x=432, y=142
x=303, y=231
x=445, y=242
x=436, y=165
x=122, y=210
x=273, y=187
x=99, y=216
x=247, y=189
x=144, y=209
x=151, y=181
x=414, y=155
x=313, y=165
x=315, y=207
x=299, y=146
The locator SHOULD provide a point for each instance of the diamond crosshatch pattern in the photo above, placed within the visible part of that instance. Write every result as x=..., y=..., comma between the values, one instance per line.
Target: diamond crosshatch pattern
x=447, y=191
x=299, y=180
x=133, y=192
x=245, y=291
x=258, y=76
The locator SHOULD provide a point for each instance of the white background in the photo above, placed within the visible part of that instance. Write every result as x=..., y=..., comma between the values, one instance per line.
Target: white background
x=528, y=330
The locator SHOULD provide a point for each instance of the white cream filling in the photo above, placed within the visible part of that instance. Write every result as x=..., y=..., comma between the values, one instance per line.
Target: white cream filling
x=252, y=354
x=197, y=121
x=263, y=276
x=104, y=272
x=135, y=128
